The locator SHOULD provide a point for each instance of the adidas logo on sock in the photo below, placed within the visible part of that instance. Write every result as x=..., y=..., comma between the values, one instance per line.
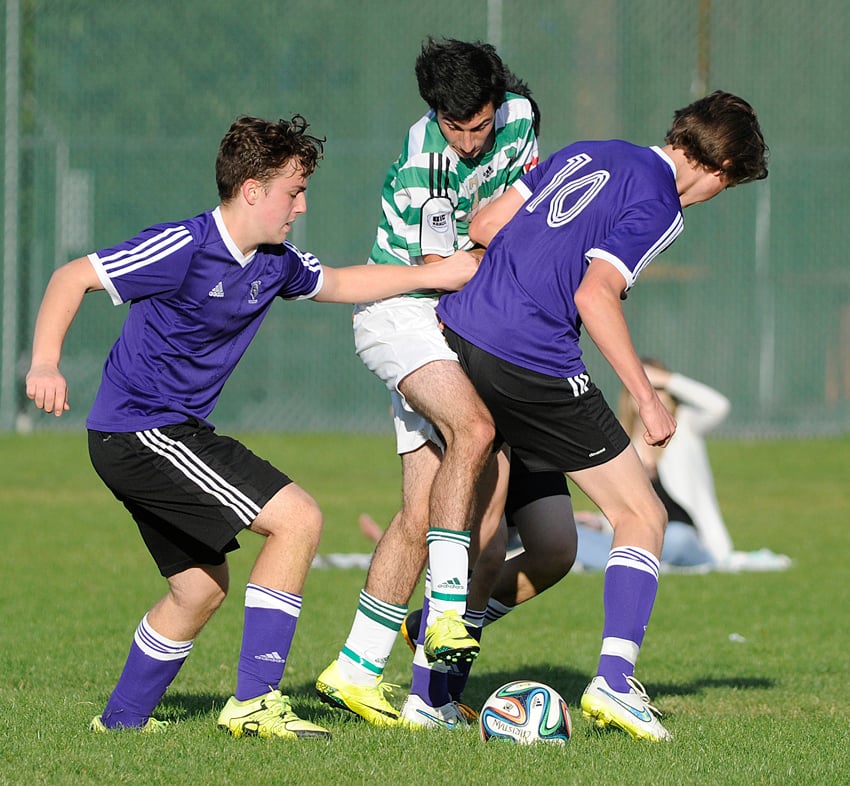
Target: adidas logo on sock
x=273, y=657
x=451, y=584
x=217, y=290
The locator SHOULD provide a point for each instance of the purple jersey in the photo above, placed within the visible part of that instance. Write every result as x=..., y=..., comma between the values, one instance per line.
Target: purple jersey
x=196, y=302
x=612, y=200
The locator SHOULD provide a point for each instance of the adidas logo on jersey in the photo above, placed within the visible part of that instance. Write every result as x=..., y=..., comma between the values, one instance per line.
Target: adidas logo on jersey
x=217, y=290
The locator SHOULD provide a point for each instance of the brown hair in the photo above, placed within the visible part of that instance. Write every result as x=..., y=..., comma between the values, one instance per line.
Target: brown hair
x=721, y=132
x=258, y=149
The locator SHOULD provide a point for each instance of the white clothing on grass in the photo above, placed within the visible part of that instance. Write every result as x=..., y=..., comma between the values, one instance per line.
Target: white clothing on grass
x=684, y=469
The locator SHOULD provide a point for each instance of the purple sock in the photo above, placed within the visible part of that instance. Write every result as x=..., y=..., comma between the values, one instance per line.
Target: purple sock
x=151, y=666
x=270, y=618
x=423, y=620
x=631, y=584
x=458, y=674
x=430, y=684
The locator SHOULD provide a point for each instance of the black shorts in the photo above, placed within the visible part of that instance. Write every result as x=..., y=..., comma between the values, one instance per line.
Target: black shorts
x=551, y=423
x=189, y=490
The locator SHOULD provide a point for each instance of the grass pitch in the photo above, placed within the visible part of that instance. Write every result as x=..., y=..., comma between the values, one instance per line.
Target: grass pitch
x=750, y=669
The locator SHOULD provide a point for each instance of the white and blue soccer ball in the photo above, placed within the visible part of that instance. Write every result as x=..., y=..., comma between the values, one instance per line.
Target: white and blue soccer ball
x=525, y=712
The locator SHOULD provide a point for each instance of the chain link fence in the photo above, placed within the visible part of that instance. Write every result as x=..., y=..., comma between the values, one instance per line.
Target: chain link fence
x=113, y=113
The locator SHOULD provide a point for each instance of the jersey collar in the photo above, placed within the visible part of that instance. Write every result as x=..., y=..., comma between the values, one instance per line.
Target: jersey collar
x=228, y=240
x=664, y=157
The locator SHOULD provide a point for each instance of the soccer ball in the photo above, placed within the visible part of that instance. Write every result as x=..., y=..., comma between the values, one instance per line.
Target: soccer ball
x=525, y=712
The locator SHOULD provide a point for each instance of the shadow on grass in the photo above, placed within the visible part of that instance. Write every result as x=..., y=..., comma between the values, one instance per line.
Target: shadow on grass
x=567, y=681
x=178, y=706
x=182, y=707
x=712, y=683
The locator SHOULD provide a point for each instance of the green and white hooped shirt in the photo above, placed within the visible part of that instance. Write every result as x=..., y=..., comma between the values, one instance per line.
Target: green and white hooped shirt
x=430, y=194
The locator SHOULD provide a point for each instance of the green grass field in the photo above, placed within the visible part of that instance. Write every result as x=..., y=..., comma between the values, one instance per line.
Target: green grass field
x=769, y=705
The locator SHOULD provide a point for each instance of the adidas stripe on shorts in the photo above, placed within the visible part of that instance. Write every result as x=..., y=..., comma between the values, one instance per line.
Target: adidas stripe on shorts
x=189, y=489
x=558, y=424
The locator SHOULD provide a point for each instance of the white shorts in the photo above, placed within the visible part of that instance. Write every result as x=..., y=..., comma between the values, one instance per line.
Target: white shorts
x=393, y=338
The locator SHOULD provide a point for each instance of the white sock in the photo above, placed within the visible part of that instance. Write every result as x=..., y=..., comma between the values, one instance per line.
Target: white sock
x=373, y=633
x=448, y=561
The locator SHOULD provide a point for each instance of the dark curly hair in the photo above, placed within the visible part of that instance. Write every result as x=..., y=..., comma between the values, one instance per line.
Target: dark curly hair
x=258, y=149
x=459, y=78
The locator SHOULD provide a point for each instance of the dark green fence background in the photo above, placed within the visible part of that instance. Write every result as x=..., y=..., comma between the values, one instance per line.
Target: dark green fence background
x=113, y=112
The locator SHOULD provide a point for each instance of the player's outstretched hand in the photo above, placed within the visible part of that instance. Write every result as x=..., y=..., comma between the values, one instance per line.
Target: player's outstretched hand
x=454, y=271
x=47, y=389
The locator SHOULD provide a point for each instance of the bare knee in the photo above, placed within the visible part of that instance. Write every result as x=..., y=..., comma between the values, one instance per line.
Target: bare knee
x=641, y=526
x=193, y=597
x=483, y=433
x=307, y=529
x=443, y=393
x=470, y=439
x=203, y=600
x=291, y=514
x=311, y=522
x=548, y=561
x=653, y=514
x=476, y=425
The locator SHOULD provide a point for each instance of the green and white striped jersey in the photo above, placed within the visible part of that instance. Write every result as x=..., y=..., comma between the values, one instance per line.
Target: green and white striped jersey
x=430, y=194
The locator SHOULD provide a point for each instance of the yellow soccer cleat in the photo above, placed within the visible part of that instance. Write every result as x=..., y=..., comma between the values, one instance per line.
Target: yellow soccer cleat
x=368, y=701
x=448, y=641
x=267, y=716
x=153, y=726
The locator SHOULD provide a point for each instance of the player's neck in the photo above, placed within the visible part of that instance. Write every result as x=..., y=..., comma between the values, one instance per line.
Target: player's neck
x=688, y=175
x=239, y=228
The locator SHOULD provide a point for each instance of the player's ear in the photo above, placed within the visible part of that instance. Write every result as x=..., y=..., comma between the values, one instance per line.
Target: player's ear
x=250, y=190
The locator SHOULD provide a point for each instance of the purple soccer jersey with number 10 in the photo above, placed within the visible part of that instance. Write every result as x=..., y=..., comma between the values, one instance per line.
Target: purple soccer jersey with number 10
x=611, y=200
x=196, y=302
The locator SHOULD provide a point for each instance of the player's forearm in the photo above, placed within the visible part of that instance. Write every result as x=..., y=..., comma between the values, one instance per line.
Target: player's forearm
x=482, y=230
x=362, y=283
x=606, y=324
x=493, y=216
x=603, y=319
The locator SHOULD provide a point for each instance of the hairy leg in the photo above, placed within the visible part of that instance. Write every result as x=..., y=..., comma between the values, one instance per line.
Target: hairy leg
x=489, y=537
x=401, y=551
x=443, y=393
